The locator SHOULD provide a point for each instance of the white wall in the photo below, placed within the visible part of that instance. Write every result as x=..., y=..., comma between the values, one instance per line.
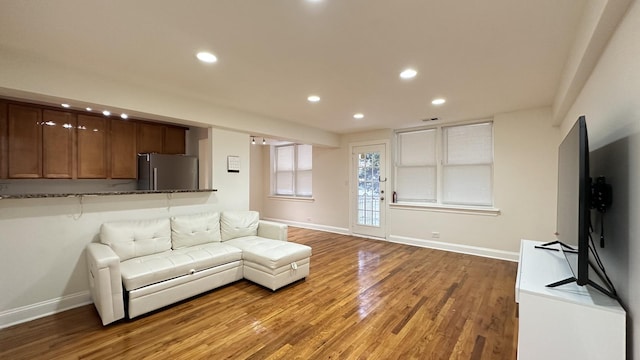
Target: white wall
x=34, y=78
x=233, y=188
x=329, y=208
x=525, y=191
x=256, y=183
x=611, y=103
x=525, y=170
x=42, y=241
x=42, y=244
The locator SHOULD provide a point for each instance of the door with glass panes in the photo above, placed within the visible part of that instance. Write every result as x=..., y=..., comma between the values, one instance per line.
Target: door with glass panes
x=368, y=190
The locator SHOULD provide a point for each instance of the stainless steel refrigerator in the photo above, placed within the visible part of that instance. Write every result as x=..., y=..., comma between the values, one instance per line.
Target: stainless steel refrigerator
x=167, y=172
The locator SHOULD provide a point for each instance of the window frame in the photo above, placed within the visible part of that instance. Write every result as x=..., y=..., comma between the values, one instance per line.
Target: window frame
x=440, y=153
x=295, y=179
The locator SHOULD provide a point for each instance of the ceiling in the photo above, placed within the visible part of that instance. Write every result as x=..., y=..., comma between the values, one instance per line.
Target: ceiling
x=483, y=57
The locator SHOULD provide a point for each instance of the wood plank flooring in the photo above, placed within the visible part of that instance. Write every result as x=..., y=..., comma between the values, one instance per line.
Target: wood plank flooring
x=364, y=299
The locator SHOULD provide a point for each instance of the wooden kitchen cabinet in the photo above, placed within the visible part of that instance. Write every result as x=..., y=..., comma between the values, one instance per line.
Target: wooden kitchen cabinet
x=24, y=145
x=124, y=159
x=92, y=135
x=150, y=138
x=3, y=141
x=58, y=144
x=174, y=140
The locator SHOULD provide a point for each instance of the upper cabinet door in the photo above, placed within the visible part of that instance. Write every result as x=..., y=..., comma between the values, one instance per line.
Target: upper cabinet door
x=4, y=171
x=24, y=142
x=92, y=147
x=150, y=138
x=124, y=159
x=174, y=140
x=58, y=144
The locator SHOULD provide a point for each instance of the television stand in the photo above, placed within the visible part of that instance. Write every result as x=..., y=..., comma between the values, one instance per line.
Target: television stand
x=566, y=247
x=568, y=322
x=590, y=282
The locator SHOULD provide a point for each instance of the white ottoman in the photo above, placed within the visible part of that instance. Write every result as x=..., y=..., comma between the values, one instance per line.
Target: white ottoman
x=272, y=263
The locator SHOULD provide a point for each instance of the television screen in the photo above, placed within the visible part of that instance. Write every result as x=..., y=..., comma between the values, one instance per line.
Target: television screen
x=574, y=211
x=573, y=198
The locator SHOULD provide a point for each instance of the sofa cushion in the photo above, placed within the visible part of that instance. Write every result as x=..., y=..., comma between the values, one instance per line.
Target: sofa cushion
x=235, y=224
x=189, y=230
x=130, y=239
x=270, y=253
x=146, y=270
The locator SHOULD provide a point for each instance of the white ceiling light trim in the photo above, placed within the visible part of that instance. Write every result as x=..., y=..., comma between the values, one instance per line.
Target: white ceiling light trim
x=358, y=116
x=313, y=98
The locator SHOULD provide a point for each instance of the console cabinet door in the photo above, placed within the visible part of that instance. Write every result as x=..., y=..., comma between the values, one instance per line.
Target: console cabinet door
x=174, y=140
x=3, y=141
x=58, y=144
x=150, y=138
x=124, y=159
x=92, y=147
x=24, y=142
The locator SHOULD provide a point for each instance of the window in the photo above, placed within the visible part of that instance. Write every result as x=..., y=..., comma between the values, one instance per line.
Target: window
x=292, y=169
x=450, y=165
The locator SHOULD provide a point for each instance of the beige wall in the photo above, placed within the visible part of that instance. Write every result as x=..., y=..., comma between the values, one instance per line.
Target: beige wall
x=26, y=77
x=42, y=241
x=525, y=168
x=525, y=191
x=328, y=209
x=611, y=104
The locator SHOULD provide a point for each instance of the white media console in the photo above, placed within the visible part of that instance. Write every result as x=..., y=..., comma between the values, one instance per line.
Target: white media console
x=565, y=322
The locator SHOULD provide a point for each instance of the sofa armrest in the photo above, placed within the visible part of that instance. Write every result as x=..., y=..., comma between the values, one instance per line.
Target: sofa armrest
x=272, y=230
x=105, y=282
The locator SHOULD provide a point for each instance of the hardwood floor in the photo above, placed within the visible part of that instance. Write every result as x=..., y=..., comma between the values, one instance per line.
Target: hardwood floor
x=364, y=299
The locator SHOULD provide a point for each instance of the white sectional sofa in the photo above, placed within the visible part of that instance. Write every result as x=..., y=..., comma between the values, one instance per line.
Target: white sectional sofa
x=141, y=266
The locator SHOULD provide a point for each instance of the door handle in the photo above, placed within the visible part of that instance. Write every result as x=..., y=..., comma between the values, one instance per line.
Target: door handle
x=382, y=198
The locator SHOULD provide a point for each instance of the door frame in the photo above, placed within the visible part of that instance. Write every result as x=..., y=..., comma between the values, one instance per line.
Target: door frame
x=353, y=199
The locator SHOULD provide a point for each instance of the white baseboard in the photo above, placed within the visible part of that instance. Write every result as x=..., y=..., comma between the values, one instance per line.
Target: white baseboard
x=458, y=248
x=48, y=307
x=438, y=245
x=331, y=229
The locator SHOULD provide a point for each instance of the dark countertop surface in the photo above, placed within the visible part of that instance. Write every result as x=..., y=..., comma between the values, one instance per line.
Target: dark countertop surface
x=104, y=193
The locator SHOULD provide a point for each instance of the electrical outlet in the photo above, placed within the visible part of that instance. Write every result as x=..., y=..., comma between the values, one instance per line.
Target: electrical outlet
x=435, y=235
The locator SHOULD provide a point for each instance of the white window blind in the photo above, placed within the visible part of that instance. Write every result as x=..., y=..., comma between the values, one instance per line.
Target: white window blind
x=468, y=164
x=293, y=170
x=461, y=173
x=416, y=166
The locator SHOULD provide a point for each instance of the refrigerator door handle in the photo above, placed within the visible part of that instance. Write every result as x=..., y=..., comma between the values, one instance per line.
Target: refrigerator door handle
x=155, y=178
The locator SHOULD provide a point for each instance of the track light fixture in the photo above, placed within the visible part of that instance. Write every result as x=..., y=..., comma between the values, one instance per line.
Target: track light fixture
x=264, y=142
x=253, y=140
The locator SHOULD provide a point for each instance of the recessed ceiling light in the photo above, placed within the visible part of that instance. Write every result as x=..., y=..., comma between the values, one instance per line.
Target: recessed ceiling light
x=408, y=73
x=207, y=57
x=106, y=113
x=89, y=109
x=124, y=116
x=313, y=98
x=438, y=101
x=358, y=116
x=65, y=105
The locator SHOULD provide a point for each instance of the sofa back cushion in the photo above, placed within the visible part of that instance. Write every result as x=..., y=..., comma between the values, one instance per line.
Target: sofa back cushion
x=196, y=229
x=130, y=239
x=235, y=224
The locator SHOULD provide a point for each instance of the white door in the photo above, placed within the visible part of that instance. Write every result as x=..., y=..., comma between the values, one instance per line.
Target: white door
x=368, y=190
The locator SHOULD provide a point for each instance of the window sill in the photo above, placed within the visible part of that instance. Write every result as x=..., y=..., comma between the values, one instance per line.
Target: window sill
x=457, y=209
x=291, y=198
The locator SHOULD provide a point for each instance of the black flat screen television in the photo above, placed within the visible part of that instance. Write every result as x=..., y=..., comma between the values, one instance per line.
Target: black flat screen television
x=574, y=211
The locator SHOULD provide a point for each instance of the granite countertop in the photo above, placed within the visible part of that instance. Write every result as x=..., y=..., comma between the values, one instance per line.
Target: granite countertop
x=104, y=193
